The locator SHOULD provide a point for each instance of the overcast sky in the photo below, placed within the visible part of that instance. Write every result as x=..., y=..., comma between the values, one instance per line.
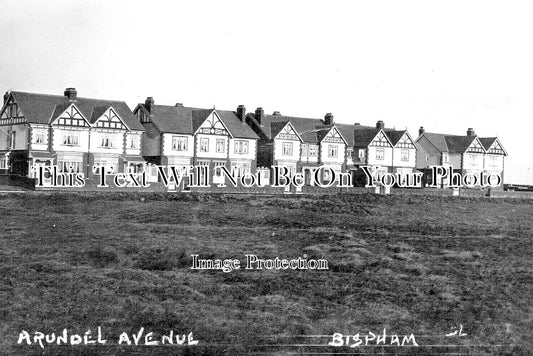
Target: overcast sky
x=445, y=65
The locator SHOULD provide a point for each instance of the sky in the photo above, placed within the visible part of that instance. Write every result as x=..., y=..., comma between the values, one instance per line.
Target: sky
x=446, y=65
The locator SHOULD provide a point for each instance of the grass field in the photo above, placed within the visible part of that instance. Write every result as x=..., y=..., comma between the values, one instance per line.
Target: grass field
x=419, y=265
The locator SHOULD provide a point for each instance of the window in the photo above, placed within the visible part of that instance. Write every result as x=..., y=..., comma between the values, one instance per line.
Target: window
x=69, y=166
x=217, y=170
x=445, y=157
x=3, y=163
x=110, y=165
x=380, y=154
x=361, y=154
x=108, y=141
x=305, y=149
x=312, y=151
x=221, y=145
x=71, y=139
x=286, y=149
x=38, y=137
x=404, y=155
x=241, y=147
x=179, y=143
x=241, y=167
x=204, y=145
x=134, y=142
x=333, y=151
x=13, y=137
x=349, y=152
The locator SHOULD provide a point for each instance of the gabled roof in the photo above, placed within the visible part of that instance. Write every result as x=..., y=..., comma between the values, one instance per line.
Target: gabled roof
x=347, y=131
x=394, y=135
x=186, y=120
x=310, y=130
x=487, y=141
x=44, y=108
x=363, y=137
x=450, y=143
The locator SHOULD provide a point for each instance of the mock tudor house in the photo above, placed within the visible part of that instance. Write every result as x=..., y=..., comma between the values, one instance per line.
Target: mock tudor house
x=404, y=151
x=71, y=132
x=467, y=154
x=184, y=136
x=297, y=143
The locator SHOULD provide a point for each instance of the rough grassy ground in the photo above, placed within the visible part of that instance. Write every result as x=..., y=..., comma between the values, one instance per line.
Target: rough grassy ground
x=418, y=265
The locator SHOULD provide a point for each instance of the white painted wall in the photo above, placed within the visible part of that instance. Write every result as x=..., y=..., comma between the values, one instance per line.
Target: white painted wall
x=167, y=146
x=326, y=160
x=397, y=158
x=278, y=150
x=57, y=139
x=386, y=161
x=117, y=138
x=212, y=153
x=251, y=155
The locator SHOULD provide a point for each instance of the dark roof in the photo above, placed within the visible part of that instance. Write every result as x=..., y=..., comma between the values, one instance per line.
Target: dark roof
x=186, y=120
x=44, y=108
x=487, y=141
x=449, y=143
x=394, y=135
x=363, y=137
x=310, y=130
x=347, y=131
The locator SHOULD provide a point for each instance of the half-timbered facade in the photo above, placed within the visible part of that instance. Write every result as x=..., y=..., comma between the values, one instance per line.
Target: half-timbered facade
x=466, y=154
x=68, y=131
x=183, y=136
x=300, y=144
x=403, y=151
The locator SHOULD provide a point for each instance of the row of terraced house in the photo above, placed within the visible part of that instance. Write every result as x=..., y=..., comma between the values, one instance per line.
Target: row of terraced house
x=77, y=133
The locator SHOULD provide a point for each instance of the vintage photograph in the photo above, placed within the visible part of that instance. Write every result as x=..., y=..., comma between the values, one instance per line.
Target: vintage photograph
x=266, y=178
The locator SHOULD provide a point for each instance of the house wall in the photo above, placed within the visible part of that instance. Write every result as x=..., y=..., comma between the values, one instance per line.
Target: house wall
x=211, y=153
x=167, y=146
x=45, y=131
x=493, y=163
x=455, y=160
x=341, y=154
x=116, y=137
x=150, y=141
x=472, y=161
x=397, y=158
x=278, y=151
x=252, y=149
x=131, y=136
x=57, y=139
x=427, y=154
x=372, y=161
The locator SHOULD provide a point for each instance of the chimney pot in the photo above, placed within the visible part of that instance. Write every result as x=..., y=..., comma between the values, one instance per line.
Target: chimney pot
x=71, y=93
x=276, y=113
x=380, y=125
x=421, y=131
x=470, y=132
x=357, y=124
x=328, y=119
x=178, y=104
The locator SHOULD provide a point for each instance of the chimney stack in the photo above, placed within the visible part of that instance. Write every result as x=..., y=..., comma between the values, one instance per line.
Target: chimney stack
x=71, y=93
x=328, y=119
x=149, y=103
x=241, y=113
x=357, y=123
x=421, y=131
x=6, y=96
x=276, y=113
x=470, y=132
x=259, y=115
x=180, y=105
x=380, y=125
